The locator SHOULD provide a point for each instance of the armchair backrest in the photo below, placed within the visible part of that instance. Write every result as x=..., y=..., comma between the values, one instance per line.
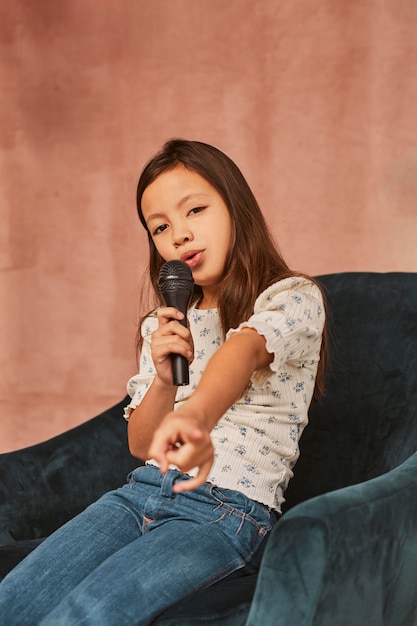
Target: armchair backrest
x=366, y=424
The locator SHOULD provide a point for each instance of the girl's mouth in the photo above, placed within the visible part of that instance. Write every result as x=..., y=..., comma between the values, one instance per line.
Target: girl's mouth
x=193, y=258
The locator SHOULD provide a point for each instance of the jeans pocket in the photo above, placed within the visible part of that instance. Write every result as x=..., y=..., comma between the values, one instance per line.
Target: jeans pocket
x=237, y=503
x=245, y=522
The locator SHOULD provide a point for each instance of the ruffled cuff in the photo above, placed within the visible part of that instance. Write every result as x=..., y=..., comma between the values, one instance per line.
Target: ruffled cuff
x=260, y=376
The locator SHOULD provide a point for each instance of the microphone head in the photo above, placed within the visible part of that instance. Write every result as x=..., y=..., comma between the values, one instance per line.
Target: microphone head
x=175, y=276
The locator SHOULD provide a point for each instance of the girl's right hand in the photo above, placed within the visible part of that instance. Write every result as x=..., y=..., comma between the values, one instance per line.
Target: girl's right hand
x=170, y=338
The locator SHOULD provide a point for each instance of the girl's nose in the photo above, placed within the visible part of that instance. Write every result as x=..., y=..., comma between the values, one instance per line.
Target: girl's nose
x=181, y=235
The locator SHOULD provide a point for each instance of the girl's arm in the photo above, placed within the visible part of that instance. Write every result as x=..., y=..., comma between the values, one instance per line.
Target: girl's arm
x=169, y=337
x=145, y=419
x=183, y=436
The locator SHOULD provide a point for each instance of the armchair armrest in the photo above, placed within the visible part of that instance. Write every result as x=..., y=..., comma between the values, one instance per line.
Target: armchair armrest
x=43, y=486
x=347, y=557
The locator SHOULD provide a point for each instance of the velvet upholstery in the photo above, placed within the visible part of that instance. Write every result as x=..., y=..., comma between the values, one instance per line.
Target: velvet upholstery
x=348, y=557
x=367, y=422
x=345, y=549
x=43, y=486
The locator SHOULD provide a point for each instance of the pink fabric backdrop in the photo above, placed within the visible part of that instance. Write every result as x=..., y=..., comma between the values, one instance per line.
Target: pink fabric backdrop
x=316, y=101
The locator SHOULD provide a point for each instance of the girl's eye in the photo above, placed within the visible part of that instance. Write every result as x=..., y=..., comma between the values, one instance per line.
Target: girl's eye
x=159, y=229
x=197, y=209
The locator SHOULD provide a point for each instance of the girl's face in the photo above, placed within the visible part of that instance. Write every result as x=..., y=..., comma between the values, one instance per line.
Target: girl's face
x=189, y=221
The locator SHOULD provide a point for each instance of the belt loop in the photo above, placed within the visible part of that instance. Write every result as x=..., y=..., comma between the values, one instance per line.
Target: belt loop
x=168, y=482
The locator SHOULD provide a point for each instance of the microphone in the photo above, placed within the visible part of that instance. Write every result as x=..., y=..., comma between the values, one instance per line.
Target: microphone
x=176, y=286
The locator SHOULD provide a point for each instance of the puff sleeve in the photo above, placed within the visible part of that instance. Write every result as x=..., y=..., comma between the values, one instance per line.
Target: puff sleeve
x=138, y=385
x=290, y=315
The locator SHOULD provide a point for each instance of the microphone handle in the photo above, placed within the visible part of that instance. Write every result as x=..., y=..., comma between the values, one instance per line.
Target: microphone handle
x=179, y=363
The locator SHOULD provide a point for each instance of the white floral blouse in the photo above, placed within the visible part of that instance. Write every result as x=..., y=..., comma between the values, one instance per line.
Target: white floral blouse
x=256, y=440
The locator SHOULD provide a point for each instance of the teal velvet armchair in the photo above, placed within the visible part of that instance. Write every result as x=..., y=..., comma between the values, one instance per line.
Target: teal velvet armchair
x=344, y=552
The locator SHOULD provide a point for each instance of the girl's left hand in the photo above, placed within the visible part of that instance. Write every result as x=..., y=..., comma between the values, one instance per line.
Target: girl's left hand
x=183, y=440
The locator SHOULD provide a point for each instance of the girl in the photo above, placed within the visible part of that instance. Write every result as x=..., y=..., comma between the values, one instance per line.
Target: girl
x=221, y=450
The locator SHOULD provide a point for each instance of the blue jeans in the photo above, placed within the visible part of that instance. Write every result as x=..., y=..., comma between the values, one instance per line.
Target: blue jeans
x=135, y=552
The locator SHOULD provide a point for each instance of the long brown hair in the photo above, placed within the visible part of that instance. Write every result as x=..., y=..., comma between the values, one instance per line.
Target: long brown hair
x=254, y=261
